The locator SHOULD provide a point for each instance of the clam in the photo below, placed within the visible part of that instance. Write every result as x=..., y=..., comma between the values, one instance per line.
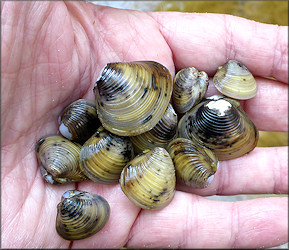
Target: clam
x=190, y=86
x=104, y=155
x=132, y=97
x=59, y=160
x=81, y=214
x=149, y=179
x=195, y=165
x=78, y=121
x=221, y=125
x=234, y=80
x=160, y=135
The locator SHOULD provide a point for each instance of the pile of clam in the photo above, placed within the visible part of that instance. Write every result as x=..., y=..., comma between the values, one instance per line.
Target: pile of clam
x=132, y=135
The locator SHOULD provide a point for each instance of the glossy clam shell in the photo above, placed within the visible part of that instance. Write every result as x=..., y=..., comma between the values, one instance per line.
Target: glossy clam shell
x=160, y=135
x=195, y=166
x=104, y=155
x=81, y=214
x=234, y=80
x=59, y=160
x=221, y=125
x=132, y=97
x=149, y=179
x=190, y=86
x=78, y=121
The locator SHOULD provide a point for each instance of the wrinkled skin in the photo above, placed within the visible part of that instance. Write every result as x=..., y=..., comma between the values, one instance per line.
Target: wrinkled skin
x=52, y=53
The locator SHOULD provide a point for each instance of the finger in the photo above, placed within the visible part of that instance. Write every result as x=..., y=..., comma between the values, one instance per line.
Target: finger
x=263, y=171
x=207, y=41
x=121, y=36
x=122, y=216
x=191, y=221
x=269, y=108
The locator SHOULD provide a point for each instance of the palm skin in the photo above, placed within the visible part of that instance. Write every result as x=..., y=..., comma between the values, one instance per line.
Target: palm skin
x=52, y=53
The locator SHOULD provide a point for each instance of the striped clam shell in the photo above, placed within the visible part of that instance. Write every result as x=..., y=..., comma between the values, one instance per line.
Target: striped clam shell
x=160, y=135
x=234, y=80
x=132, y=97
x=149, y=179
x=221, y=125
x=195, y=165
x=190, y=86
x=81, y=214
x=59, y=160
x=104, y=155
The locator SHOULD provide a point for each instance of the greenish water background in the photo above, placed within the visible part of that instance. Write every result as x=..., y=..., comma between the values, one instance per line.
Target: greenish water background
x=271, y=12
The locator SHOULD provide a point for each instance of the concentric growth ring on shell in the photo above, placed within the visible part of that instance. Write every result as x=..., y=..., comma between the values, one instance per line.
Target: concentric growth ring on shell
x=59, y=160
x=221, y=125
x=132, y=97
x=195, y=166
x=160, y=135
x=81, y=214
x=149, y=179
x=213, y=122
x=104, y=155
x=234, y=80
x=189, y=88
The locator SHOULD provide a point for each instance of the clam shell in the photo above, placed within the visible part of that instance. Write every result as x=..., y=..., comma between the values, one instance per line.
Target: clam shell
x=195, y=166
x=149, y=179
x=221, y=125
x=81, y=214
x=160, y=135
x=78, y=121
x=190, y=86
x=59, y=160
x=104, y=155
x=132, y=97
x=234, y=80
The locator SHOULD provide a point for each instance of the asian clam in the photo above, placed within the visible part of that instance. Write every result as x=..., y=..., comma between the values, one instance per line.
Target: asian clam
x=131, y=135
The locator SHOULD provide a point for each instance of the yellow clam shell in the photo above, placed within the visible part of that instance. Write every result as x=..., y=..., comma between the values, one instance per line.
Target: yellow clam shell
x=104, y=155
x=132, y=97
x=149, y=179
x=59, y=160
x=195, y=165
x=234, y=80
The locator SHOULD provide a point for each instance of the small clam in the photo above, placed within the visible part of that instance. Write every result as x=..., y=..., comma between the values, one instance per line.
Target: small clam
x=149, y=179
x=59, y=160
x=81, y=214
x=104, y=155
x=220, y=124
x=160, y=135
x=234, y=80
x=190, y=86
x=195, y=165
x=132, y=97
x=78, y=121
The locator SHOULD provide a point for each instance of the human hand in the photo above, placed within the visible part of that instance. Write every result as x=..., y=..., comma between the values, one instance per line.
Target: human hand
x=52, y=54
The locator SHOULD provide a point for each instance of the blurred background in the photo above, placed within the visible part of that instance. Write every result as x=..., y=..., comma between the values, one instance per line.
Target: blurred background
x=274, y=12
x=271, y=12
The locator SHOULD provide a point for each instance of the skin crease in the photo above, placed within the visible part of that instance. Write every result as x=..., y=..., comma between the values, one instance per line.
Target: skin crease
x=53, y=52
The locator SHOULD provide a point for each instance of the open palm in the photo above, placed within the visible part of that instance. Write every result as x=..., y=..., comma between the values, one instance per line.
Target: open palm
x=52, y=54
